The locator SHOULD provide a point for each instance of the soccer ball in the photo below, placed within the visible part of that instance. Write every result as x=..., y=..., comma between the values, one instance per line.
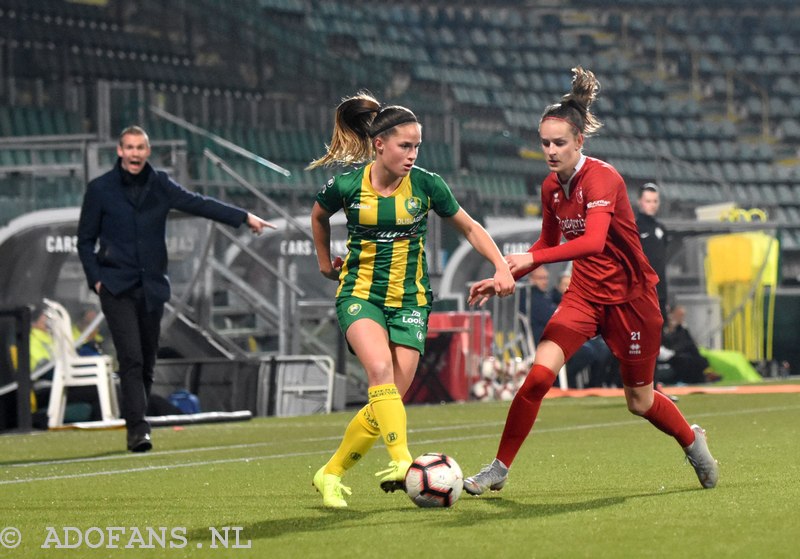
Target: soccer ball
x=483, y=390
x=490, y=367
x=434, y=480
x=507, y=391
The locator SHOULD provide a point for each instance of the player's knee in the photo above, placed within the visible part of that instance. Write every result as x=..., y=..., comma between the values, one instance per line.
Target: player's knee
x=639, y=406
x=537, y=383
x=636, y=409
x=380, y=372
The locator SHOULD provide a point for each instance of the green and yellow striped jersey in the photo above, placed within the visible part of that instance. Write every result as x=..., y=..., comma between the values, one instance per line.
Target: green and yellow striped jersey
x=385, y=262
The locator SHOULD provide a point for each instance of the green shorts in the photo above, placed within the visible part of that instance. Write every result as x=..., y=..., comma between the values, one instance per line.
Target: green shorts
x=406, y=326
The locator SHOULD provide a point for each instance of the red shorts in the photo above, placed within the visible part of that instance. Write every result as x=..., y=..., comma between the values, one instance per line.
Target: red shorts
x=632, y=331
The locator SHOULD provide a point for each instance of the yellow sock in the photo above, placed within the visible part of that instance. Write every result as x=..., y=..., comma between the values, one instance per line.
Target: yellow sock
x=391, y=416
x=359, y=436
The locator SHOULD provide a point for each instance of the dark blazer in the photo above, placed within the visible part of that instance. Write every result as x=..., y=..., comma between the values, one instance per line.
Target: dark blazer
x=654, y=238
x=132, y=247
x=538, y=310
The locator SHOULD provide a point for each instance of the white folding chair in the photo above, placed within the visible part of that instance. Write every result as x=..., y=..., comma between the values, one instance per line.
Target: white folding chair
x=72, y=369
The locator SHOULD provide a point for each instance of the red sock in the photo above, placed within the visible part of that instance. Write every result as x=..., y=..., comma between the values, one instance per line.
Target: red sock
x=666, y=416
x=523, y=411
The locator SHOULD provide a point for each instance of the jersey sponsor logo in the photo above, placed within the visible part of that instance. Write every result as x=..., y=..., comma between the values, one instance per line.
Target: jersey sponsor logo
x=573, y=225
x=360, y=206
x=420, y=336
x=413, y=320
x=409, y=220
x=354, y=309
x=597, y=204
x=579, y=195
x=635, y=349
x=385, y=236
x=413, y=205
x=556, y=199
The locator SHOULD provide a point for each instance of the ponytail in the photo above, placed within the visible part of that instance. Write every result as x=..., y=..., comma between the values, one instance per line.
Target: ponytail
x=359, y=120
x=574, y=106
x=351, y=143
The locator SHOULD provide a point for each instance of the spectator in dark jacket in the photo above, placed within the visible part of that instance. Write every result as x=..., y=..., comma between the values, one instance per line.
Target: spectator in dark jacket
x=537, y=303
x=686, y=364
x=539, y=306
x=654, y=239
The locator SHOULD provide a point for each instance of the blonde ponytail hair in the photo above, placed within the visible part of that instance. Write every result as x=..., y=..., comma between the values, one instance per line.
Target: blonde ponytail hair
x=359, y=120
x=574, y=106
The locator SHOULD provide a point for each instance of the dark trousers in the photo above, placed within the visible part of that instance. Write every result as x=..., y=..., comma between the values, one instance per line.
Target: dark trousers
x=135, y=331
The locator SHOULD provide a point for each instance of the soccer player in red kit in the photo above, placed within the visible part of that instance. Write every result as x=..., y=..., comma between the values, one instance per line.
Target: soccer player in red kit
x=612, y=290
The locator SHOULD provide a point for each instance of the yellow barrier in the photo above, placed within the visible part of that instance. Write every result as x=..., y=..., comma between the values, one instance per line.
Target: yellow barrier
x=739, y=267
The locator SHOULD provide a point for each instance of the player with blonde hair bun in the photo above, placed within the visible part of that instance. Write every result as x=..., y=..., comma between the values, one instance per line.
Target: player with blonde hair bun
x=612, y=291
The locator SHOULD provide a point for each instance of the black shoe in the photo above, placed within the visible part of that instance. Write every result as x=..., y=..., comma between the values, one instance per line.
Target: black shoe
x=140, y=443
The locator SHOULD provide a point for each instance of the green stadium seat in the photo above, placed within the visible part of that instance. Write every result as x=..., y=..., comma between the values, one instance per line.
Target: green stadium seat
x=6, y=126
x=47, y=121
x=33, y=124
x=6, y=158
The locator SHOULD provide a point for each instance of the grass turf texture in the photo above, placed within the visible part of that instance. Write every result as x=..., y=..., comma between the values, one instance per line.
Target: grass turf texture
x=592, y=481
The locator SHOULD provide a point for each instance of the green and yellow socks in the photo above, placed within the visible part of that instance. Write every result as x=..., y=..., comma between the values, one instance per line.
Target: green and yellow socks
x=390, y=413
x=384, y=415
x=359, y=436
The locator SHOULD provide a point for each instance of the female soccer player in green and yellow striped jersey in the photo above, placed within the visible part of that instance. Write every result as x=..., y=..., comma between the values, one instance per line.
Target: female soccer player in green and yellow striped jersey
x=384, y=295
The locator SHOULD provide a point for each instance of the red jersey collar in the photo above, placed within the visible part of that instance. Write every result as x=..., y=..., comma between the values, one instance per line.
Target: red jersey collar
x=578, y=168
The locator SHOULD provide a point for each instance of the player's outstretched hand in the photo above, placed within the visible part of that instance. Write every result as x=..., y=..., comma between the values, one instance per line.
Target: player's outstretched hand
x=257, y=225
x=504, y=284
x=520, y=263
x=481, y=291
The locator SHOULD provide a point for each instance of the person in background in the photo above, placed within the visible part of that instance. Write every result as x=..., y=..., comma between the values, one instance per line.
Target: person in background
x=603, y=368
x=557, y=293
x=612, y=291
x=537, y=303
x=122, y=246
x=654, y=239
x=384, y=294
x=594, y=354
x=40, y=339
x=93, y=344
x=685, y=362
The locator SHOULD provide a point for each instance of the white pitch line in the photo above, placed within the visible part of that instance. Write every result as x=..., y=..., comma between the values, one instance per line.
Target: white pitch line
x=141, y=456
x=151, y=468
x=155, y=468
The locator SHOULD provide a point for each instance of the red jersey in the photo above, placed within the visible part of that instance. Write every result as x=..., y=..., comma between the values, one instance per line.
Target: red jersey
x=619, y=272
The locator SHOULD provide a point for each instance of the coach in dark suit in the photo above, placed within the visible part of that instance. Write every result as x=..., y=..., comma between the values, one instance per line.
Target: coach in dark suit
x=126, y=211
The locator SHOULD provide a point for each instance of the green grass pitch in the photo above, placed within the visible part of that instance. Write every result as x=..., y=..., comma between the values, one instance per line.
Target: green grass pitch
x=591, y=481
